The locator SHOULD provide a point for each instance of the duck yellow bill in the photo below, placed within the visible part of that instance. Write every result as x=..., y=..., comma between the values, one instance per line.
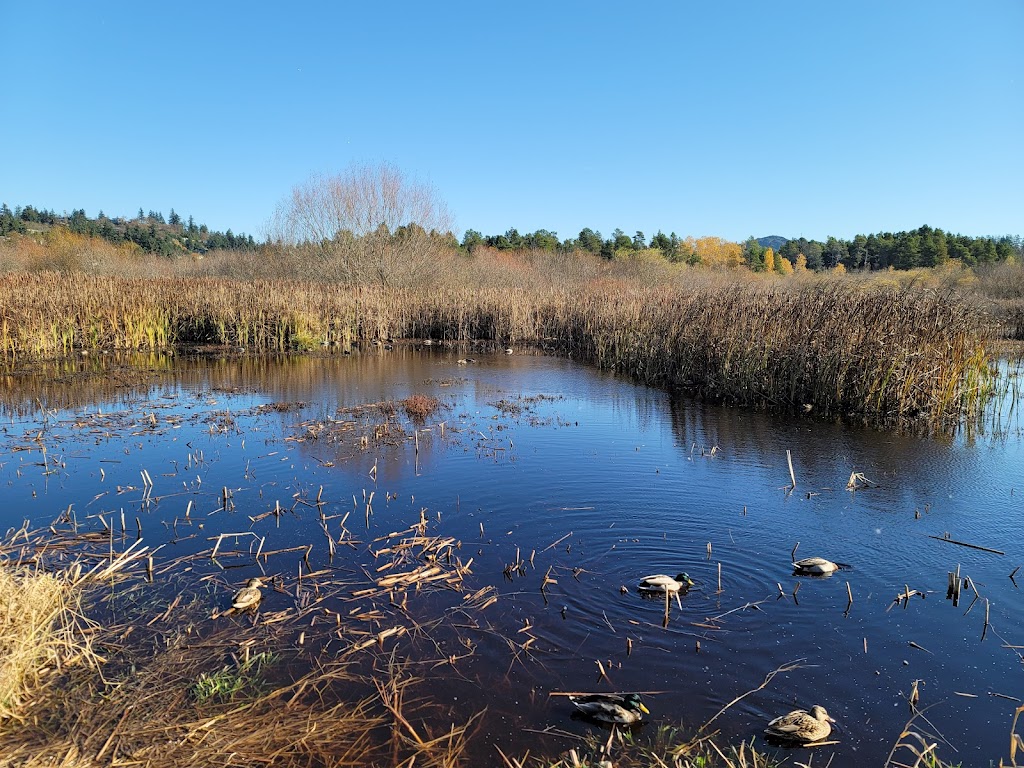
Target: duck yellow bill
x=643, y=709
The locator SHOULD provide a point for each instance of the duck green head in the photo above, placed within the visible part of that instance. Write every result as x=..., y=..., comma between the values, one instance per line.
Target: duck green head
x=685, y=580
x=632, y=701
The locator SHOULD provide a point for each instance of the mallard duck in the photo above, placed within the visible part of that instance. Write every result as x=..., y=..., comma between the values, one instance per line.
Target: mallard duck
x=248, y=596
x=659, y=582
x=801, y=726
x=620, y=709
x=815, y=566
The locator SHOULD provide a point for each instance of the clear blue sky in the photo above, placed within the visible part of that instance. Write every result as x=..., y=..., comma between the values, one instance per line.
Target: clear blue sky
x=704, y=118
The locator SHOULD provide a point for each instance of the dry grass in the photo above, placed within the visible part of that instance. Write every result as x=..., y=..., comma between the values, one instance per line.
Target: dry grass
x=40, y=633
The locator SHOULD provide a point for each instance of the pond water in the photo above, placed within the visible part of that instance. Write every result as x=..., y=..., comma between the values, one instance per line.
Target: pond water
x=591, y=482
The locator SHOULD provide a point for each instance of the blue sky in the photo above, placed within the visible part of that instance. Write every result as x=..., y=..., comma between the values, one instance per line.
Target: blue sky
x=713, y=118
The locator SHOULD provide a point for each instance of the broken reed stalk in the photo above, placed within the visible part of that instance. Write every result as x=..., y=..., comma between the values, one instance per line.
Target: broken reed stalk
x=965, y=544
x=788, y=667
x=789, y=459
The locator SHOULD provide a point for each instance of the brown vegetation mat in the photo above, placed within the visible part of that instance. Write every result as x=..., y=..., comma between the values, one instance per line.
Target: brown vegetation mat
x=170, y=684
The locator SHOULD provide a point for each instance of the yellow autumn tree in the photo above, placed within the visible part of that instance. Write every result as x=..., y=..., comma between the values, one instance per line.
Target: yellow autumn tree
x=785, y=267
x=801, y=263
x=718, y=253
x=769, y=260
x=839, y=269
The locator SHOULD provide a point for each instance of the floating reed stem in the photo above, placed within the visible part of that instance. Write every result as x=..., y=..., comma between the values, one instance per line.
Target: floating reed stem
x=965, y=544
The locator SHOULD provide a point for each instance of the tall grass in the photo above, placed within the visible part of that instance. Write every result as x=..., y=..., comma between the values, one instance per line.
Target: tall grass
x=884, y=353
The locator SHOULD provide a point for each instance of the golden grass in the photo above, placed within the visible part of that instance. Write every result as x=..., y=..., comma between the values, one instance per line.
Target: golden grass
x=39, y=633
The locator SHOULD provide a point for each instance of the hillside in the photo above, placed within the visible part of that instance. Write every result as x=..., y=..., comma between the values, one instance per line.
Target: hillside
x=775, y=242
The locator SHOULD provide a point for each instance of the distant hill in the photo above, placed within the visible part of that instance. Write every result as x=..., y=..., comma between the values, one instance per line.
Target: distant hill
x=772, y=241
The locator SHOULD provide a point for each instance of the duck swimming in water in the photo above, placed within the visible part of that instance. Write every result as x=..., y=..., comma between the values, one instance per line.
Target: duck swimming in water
x=619, y=709
x=815, y=566
x=801, y=726
x=659, y=582
x=248, y=596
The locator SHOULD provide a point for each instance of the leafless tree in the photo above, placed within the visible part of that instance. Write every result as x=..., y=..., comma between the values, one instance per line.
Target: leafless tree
x=369, y=224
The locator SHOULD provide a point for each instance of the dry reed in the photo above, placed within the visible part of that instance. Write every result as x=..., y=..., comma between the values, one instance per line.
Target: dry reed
x=884, y=354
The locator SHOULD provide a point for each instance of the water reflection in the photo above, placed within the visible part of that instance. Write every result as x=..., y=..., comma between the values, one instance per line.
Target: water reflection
x=591, y=482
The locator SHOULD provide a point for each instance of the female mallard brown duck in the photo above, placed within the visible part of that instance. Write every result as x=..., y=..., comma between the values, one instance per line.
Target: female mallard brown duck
x=619, y=709
x=659, y=582
x=801, y=726
x=248, y=596
x=815, y=566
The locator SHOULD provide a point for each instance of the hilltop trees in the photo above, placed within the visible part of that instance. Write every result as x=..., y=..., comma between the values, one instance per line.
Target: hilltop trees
x=149, y=232
x=369, y=224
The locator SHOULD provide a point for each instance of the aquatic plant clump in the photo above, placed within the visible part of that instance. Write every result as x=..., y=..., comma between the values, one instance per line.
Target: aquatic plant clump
x=418, y=407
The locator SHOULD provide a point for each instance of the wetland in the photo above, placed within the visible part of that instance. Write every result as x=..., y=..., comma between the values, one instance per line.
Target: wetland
x=452, y=541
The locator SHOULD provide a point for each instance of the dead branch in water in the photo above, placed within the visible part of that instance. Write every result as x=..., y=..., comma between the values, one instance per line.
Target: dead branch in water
x=965, y=544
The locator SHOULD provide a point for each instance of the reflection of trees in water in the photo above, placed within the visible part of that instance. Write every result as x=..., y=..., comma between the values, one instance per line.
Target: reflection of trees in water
x=325, y=383
x=823, y=452
x=95, y=380
x=120, y=379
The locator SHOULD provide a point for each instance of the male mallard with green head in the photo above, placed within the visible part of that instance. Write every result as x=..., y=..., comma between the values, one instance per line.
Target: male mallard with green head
x=619, y=709
x=659, y=582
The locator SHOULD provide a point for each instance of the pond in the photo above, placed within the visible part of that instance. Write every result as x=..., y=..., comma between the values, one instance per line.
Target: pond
x=565, y=486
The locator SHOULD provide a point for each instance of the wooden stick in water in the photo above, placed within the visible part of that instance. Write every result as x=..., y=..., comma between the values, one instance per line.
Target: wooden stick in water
x=965, y=544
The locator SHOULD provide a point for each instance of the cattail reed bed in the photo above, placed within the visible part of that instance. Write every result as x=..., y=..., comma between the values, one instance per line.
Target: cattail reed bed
x=889, y=355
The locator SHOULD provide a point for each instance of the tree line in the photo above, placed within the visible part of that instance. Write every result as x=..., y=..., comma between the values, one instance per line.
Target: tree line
x=922, y=247
x=150, y=231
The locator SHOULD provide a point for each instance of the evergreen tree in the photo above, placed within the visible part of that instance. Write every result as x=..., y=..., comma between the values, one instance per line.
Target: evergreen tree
x=620, y=241
x=753, y=254
x=589, y=240
x=471, y=240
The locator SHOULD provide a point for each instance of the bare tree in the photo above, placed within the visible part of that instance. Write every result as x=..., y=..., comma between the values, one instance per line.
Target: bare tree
x=369, y=224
